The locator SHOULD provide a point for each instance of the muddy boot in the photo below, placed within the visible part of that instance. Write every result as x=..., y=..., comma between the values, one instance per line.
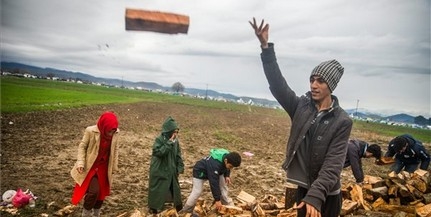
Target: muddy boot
x=96, y=212
x=86, y=212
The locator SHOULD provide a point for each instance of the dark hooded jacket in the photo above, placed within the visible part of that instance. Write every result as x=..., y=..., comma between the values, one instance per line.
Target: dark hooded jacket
x=327, y=142
x=355, y=152
x=166, y=164
x=415, y=152
x=211, y=168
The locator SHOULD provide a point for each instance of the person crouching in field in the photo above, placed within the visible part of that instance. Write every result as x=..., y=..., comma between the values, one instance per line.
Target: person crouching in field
x=96, y=162
x=166, y=165
x=356, y=150
x=216, y=169
x=409, y=153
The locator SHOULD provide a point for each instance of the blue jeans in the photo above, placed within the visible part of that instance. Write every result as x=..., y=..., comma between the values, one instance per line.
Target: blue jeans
x=399, y=165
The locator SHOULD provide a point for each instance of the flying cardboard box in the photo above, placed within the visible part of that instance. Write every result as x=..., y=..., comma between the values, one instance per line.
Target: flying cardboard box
x=156, y=21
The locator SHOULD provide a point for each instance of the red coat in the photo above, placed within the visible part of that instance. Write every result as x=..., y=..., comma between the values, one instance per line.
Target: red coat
x=97, y=155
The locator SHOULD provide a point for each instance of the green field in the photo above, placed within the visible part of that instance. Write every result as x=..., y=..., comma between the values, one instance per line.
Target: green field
x=392, y=131
x=25, y=95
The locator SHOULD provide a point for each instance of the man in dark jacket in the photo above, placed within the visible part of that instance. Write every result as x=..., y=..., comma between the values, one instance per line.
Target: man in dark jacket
x=216, y=169
x=409, y=153
x=166, y=165
x=358, y=149
x=317, y=145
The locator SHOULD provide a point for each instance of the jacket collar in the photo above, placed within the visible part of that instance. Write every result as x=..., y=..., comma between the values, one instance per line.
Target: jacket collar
x=334, y=105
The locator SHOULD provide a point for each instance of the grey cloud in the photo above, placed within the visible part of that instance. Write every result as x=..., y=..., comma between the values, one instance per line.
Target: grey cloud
x=375, y=40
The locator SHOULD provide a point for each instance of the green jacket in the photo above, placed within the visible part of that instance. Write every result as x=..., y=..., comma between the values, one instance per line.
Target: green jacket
x=211, y=168
x=166, y=165
x=218, y=153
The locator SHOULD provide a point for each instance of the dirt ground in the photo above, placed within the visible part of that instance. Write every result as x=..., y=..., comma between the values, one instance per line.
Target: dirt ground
x=38, y=149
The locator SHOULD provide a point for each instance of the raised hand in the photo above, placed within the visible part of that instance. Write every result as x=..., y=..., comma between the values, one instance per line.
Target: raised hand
x=261, y=31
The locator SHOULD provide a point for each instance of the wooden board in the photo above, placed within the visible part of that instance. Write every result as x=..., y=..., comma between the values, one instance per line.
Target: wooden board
x=348, y=207
x=156, y=21
x=290, y=195
x=245, y=197
x=230, y=210
x=424, y=211
x=387, y=160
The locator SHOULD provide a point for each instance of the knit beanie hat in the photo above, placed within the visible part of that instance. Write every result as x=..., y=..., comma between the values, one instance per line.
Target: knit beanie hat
x=330, y=71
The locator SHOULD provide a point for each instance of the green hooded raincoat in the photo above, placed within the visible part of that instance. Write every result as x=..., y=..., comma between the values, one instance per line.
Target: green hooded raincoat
x=166, y=165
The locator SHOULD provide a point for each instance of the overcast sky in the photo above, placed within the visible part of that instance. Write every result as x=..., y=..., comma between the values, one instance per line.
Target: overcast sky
x=384, y=45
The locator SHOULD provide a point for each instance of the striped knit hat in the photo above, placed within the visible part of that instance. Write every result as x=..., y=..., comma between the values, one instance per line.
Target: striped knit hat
x=330, y=71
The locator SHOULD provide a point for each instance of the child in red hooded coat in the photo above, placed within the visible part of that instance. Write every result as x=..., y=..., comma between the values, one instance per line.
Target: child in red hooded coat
x=96, y=161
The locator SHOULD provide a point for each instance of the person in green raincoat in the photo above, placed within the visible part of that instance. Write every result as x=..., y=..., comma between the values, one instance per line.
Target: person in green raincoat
x=166, y=165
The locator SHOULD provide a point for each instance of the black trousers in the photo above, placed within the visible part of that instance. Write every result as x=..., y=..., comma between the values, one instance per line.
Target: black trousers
x=331, y=207
x=90, y=199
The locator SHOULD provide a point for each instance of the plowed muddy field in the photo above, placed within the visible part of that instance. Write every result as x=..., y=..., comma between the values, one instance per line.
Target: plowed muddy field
x=38, y=149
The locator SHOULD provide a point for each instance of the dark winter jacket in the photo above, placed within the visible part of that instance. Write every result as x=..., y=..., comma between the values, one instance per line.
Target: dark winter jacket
x=166, y=165
x=415, y=152
x=328, y=145
x=355, y=152
x=211, y=168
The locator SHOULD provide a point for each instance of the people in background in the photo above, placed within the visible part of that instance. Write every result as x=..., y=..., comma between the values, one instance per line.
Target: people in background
x=165, y=167
x=356, y=150
x=97, y=160
x=316, y=149
x=409, y=153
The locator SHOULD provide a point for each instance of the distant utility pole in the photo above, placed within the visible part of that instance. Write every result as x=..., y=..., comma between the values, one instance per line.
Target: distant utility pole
x=206, y=93
x=357, y=103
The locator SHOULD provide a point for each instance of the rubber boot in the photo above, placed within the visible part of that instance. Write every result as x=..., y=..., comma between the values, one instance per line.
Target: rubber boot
x=96, y=212
x=86, y=212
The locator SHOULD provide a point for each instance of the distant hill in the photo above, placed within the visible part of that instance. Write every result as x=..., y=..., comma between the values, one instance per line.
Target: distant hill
x=398, y=118
x=43, y=72
x=404, y=118
x=14, y=67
